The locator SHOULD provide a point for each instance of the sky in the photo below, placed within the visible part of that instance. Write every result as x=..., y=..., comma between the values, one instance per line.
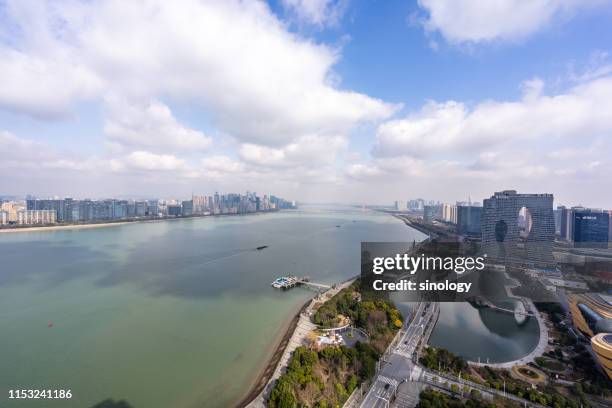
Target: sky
x=348, y=101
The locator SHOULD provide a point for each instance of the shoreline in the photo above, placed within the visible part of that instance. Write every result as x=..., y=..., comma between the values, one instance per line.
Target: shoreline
x=262, y=380
x=63, y=227
x=60, y=227
x=293, y=337
x=266, y=371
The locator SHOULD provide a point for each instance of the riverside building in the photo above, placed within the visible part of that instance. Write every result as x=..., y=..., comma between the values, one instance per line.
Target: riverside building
x=469, y=219
x=502, y=238
x=585, y=227
x=32, y=217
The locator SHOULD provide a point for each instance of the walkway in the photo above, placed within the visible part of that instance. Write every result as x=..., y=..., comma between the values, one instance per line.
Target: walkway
x=536, y=352
x=303, y=328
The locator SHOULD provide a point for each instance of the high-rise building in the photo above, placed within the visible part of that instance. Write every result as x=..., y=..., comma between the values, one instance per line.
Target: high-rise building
x=558, y=219
x=400, y=206
x=199, y=204
x=67, y=216
x=12, y=208
x=47, y=204
x=174, y=210
x=153, y=208
x=187, y=207
x=140, y=208
x=468, y=220
x=4, y=217
x=501, y=232
x=31, y=217
x=429, y=213
x=590, y=228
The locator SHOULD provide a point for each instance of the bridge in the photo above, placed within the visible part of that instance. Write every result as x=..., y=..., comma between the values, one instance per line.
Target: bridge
x=315, y=285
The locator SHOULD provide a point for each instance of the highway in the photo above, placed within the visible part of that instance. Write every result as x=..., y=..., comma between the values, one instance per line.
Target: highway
x=397, y=363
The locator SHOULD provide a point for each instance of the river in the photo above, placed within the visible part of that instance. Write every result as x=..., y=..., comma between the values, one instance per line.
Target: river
x=165, y=314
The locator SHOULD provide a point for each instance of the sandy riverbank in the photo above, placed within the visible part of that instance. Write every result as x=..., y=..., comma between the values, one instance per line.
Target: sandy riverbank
x=62, y=227
x=114, y=223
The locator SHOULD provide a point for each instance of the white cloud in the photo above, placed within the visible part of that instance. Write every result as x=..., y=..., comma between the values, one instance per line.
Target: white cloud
x=234, y=60
x=222, y=164
x=452, y=128
x=475, y=21
x=143, y=160
x=43, y=87
x=558, y=143
x=317, y=12
x=20, y=154
x=150, y=126
x=307, y=151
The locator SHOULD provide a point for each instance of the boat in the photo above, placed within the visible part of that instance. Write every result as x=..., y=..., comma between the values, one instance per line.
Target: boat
x=285, y=282
x=259, y=248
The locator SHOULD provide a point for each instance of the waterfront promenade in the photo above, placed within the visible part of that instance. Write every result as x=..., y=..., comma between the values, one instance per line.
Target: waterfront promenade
x=298, y=338
x=536, y=352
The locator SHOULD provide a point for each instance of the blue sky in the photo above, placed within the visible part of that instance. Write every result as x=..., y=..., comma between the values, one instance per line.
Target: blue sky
x=315, y=100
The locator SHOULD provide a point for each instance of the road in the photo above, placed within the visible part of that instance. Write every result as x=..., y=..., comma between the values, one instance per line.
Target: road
x=397, y=363
x=400, y=379
x=445, y=381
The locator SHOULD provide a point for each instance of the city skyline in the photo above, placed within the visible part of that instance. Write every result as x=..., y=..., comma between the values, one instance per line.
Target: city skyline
x=317, y=101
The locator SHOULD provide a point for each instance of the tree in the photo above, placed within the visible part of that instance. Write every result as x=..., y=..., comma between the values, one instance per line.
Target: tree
x=282, y=395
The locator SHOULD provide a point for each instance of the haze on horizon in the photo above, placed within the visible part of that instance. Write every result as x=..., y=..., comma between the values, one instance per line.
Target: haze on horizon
x=312, y=100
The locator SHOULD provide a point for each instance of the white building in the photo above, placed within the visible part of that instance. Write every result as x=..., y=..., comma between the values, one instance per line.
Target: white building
x=400, y=206
x=449, y=213
x=4, y=217
x=30, y=217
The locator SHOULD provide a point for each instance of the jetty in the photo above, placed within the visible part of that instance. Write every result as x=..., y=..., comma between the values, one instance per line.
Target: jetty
x=288, y=282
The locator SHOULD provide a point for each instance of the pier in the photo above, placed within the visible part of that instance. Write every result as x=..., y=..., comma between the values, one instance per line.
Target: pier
x=288, y=282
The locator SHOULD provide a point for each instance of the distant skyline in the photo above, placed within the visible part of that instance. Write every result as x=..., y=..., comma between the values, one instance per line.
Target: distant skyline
x=348, y=101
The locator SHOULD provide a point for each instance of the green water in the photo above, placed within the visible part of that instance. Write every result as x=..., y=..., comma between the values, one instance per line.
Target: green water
x=166, y=314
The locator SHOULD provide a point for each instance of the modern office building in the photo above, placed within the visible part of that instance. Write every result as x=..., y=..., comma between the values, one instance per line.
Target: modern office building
x=48, y=204
x=429, y=213
x=558, y=213
x=140, y=208
x=187, y=208
x=153, y=208
x=501, y=230
x=584, y=227
x=174, y=210
x=199, y=204
x=590, y=228
x=469, y=219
